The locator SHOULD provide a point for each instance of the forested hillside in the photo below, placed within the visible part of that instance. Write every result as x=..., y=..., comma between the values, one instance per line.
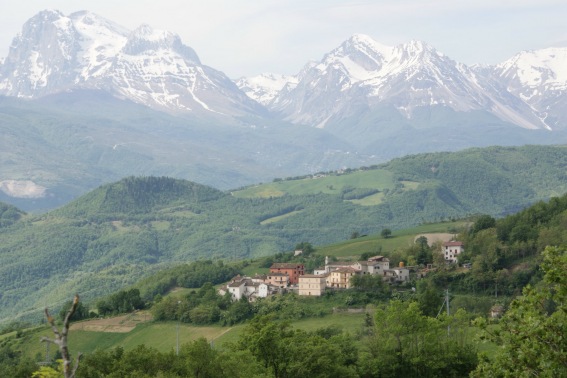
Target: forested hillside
x=121, y=232
x=402, y=332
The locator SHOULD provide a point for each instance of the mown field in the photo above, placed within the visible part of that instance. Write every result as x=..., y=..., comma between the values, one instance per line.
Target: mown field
x=328, y=184
x=375, y=243
x=163, y=335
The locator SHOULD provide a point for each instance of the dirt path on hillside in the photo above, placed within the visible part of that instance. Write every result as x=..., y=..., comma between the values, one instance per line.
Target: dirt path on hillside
x=432, y=238
x=222, y=333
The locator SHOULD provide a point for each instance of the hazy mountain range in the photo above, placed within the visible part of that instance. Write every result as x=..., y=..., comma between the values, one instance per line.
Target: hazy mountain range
x=88, y=101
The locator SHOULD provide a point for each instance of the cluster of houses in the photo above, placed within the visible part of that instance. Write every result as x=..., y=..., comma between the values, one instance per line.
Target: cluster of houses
x=291, y=276
x=281, y=277
x=334, y=275
x=338, y=274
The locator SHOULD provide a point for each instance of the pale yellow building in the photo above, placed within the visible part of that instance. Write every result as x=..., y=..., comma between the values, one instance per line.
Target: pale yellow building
x=312, y=284
x=340, y=278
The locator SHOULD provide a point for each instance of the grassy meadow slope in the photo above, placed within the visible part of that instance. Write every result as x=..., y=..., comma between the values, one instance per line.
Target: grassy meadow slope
x=120, y=232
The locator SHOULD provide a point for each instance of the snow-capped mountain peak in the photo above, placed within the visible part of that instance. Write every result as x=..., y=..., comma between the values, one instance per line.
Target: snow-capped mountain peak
x=360, y=57
x=361, y=74
x=364, y=43
x=263, y=88
x=145, y=38
x=539, y=78
x=534, y=68
x=56, y=53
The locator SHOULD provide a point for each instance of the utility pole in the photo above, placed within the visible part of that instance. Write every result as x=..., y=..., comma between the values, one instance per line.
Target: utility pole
x=47, y=352
x=496, y=291
x=46, y=361
x=448, y=311
x=177, y=331
x=177, y=348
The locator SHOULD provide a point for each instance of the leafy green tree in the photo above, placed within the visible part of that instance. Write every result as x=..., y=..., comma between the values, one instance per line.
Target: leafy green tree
x=200, y=359
x=369, y=283
x=407, y=343
x=386, y=233
x=424, y=255
x=532, y=332
x=268, y=341
x=13, y=363
x=483, y=222
x=306, y=247
x=81, y=312
x=47, y=372
x=294, y=353
x=120, y=302
x=429, y=297
x=205, y=314
x=238, y=311
x=314, y=356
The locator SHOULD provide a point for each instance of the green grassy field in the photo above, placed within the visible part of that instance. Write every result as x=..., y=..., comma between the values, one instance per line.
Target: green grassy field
x=163, y=335
x=353, y=248
x=379, y=245
x=333, y=184
x=280, y=217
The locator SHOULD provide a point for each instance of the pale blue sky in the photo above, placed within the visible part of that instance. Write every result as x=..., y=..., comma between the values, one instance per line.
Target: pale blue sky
x=249, y=37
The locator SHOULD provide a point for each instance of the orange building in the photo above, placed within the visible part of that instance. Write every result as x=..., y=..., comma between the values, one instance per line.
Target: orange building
x=292, y=270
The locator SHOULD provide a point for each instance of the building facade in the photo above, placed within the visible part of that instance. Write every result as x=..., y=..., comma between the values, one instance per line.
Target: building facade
x=312, y=284
x=452, y=250
x=340, y=278
x=291, y=269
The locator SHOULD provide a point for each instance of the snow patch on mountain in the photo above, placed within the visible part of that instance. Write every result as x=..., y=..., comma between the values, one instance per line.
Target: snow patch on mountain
x=538, y=78
x=263, y=88
x=100, y=41
x=533, y=69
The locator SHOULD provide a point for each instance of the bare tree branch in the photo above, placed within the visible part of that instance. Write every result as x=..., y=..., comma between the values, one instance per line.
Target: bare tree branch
x=61, y=339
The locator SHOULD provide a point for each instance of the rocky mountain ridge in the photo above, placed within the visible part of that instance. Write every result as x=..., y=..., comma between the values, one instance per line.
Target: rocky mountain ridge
x=55, y=53
x=362, y=74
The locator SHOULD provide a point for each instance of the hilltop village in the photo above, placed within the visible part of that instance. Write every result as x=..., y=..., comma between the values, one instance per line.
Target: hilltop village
x=334, y=275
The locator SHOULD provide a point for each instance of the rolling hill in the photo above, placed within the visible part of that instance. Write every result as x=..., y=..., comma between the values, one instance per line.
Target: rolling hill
x=119, y=232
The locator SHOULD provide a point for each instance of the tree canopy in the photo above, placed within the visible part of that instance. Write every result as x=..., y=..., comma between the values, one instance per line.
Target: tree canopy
x=532, y=332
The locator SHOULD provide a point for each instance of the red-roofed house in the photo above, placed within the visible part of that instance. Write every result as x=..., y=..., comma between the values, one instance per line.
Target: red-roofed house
x=291, y=269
